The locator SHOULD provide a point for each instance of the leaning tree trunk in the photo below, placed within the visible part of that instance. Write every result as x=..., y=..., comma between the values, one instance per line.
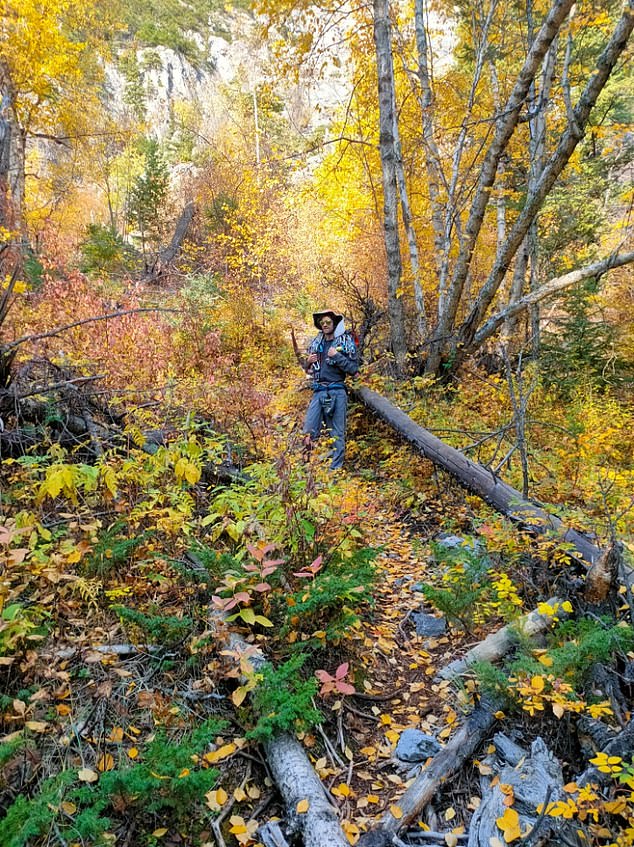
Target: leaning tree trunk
x=385, y=69
x=463, y=343
x=478, y=479
x=503, y=131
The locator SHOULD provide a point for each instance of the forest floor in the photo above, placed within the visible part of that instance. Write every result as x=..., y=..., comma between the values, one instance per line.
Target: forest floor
x=122, y=710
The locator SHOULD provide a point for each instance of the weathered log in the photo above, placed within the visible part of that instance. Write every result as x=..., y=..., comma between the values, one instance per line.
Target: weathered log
x=289, y=764
x=497, y=644
x=478, y=479
x=448, y=761
x=535, y=779
x=297, y=781
x=621, y=745
x=271, y=835
x=602, y=575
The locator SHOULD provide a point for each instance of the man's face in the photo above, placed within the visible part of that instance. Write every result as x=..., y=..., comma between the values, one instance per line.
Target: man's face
x=326, y=325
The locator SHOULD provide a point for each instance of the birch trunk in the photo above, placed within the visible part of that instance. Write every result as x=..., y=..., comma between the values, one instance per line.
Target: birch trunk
x=558, y=160
x=503, y=132
x=549, y=289
x=432, y=155
x=406, y=214
x=385, y=70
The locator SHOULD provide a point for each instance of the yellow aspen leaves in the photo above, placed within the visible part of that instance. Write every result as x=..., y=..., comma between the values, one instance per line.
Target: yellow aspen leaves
x=105, y=763
x=302, y=807
x=221, y=753
x=216, y=799
x=607, y=764
x=509, y=823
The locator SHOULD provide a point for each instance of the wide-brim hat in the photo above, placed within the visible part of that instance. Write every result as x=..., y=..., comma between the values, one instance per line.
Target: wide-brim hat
x=336, y=318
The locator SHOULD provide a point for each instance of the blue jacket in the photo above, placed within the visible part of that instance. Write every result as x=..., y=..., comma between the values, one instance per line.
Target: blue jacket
x=328, y=370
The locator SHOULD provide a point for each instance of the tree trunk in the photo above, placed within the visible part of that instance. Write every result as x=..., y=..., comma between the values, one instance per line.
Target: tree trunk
x=432, y=157
x=478, y=479
x=503, y=132
x=558, y=160
x=385, y=69
x=406, y=214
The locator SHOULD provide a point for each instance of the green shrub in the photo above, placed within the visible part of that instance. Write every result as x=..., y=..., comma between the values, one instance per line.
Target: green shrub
x=166, y=778
x=165, y=630
x=465, y=583
x=330, y=601
x=283, y=701
x=105, y=252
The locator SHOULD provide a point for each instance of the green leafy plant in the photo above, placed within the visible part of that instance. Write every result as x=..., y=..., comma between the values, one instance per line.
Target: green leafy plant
x=171, y=774
x=471, y=591
x=243, y=589
x=113, y=549
x=283, y=701
x=165, y=630
x=329, y=602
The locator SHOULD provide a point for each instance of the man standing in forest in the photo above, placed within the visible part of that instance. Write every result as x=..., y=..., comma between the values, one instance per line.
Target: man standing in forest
x=332, y=355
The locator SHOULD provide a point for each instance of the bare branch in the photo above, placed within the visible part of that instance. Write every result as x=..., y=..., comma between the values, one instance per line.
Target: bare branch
x=54, y=332
x=549, y=289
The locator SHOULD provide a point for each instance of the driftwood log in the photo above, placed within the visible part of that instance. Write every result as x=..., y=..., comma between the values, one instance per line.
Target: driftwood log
x=533, y=778
x=497, y=644
x=476, y=478
x=289, y=764
x=447, y=762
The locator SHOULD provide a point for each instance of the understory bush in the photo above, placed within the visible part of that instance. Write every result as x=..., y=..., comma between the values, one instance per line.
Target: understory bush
x=171, y=776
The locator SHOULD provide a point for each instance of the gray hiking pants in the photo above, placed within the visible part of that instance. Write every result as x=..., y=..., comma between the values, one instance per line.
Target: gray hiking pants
x=328, y=409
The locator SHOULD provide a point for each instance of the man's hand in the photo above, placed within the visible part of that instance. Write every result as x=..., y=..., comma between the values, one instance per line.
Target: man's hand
x=332, y=351
x=312, y=358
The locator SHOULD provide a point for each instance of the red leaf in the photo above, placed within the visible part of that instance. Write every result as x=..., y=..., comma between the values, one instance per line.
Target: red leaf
x=317, y=563
x=256, y=552
x=262, y=586
x=324, y=676
x=342, y=670
x=241, y=597
x=344, y=687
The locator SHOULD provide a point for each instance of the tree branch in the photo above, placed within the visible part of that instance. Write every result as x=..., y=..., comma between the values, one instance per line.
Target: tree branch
x=549, y=289
x=54, y=332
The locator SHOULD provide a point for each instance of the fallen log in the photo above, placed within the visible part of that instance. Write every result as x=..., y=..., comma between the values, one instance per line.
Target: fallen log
x=289, y=764
x=478, y=479
x=497, y=644
x=448, y=761
x=536, y=779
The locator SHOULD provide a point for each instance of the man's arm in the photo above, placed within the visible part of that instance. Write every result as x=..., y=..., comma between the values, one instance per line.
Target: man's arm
x=344, y=356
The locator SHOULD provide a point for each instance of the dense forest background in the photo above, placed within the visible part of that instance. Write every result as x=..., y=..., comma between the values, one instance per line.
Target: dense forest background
x=182, y=597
